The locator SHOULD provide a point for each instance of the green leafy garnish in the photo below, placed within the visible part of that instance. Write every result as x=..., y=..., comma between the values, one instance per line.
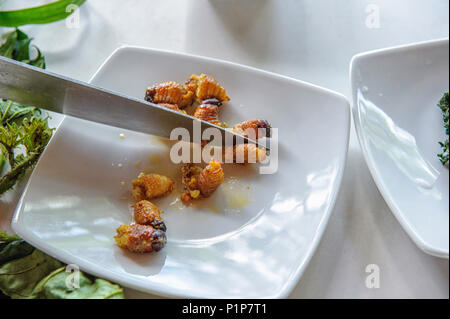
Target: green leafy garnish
x=23, y=134
x=33, y=135
x=6, y=239
x=26, y=272
x=16, y=45
x=443, y=105
x=46, y=13
x=11, y=111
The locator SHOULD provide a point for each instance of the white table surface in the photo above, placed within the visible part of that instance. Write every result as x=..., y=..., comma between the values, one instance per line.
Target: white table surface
x=309, y=40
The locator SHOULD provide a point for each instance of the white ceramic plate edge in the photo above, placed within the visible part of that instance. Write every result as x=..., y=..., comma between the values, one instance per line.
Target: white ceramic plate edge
x=214, y=60
x=356, y=59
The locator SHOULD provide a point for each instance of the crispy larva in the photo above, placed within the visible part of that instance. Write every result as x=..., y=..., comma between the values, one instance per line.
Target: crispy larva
x=253, y=129
x=147, y=213
x=244, y=153
x=208, y=112
x=206, y=87
x=170, y=92
x=150, y=186
x=140, y=238
x=200, y=182
x=172, y=107
x=210, y=178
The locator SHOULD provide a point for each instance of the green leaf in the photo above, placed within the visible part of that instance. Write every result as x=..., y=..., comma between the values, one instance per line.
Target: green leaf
x=46, y=13
x=5, y=238
x=22, y=46
x=9, y=136
x=8, y=180
x=8, y=41
x=16, y=45
x=11, y=111
x=35, y=134
x=14, y=250
x=55, y=287
x=19, y=277
x=26, y=272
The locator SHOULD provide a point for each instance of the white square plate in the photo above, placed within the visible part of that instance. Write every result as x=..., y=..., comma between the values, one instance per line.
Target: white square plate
x=395, y=93
x=253, y=238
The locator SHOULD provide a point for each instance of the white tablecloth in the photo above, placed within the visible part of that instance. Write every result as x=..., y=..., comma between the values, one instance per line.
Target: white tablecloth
x=309, y=40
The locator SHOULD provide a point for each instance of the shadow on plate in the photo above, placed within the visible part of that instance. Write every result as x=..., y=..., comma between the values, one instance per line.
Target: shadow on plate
x=140, y=264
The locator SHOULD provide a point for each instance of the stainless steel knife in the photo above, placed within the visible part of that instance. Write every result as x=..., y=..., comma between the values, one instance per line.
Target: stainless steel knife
x=33, y=86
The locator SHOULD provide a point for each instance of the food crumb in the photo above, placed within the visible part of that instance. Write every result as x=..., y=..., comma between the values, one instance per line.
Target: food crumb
x=122, y=183
x=122, y=136
x=120, y=165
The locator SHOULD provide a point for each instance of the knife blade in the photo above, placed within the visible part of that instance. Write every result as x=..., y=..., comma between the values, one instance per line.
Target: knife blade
x=30, y=85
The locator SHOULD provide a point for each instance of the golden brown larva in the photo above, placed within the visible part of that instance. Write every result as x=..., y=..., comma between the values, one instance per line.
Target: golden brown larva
x=170, y=92
x=253, y=129
x=140, y=238
x=244, y=154
x=200, y=182
x=174, y=107
x=147, y=213
x=210, y=178
x=208, y=111
x=150, y=186
x=206, y=87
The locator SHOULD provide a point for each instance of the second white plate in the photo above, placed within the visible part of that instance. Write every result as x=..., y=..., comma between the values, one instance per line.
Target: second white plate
x=395, y=93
